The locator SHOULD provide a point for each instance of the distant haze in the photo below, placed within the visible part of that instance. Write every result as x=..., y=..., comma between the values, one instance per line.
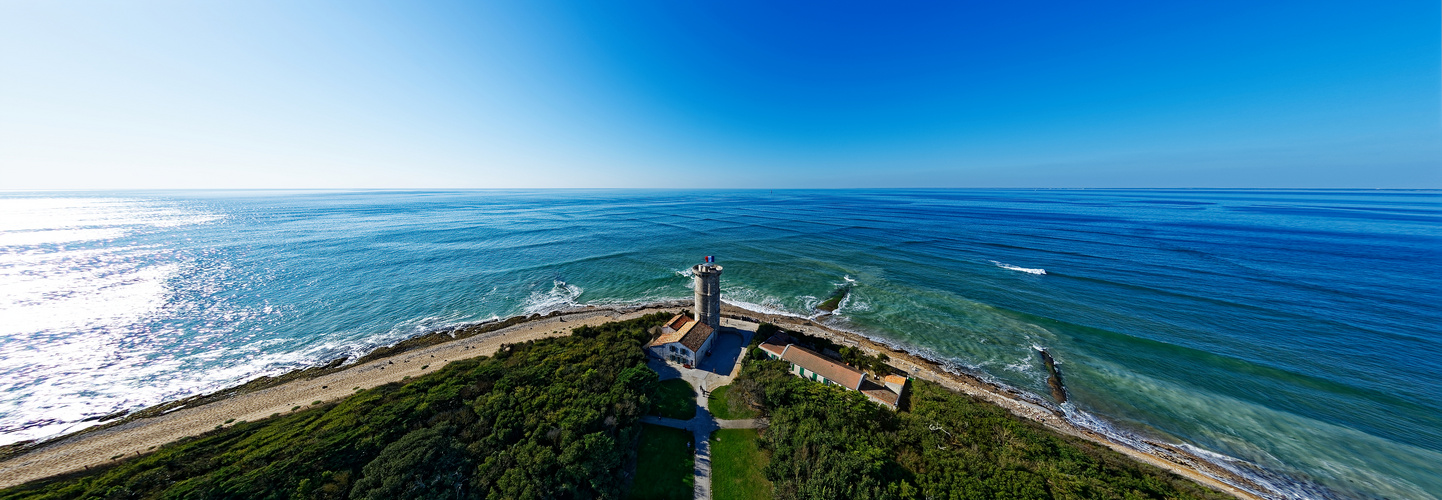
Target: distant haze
x=331, y=94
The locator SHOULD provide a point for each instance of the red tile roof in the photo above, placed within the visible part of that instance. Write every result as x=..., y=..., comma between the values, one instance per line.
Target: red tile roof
x=880, y=394
x=689, y=332
x=776, y=344
x=678, y=324
x=696, y=335
x=778, y=350
x=836, y=372
x=678, y=321
x=666, y=338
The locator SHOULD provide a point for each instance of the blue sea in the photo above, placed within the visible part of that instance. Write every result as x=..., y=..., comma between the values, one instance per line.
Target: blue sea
x=1291, y=335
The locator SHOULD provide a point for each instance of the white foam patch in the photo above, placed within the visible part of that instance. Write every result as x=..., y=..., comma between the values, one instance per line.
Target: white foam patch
x=1019, y=268
x=562, y=295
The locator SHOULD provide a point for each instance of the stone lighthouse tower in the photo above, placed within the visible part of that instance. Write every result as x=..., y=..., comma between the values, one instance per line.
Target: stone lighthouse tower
x=708, y=293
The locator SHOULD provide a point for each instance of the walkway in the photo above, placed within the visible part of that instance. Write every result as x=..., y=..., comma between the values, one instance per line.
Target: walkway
x=713, y=373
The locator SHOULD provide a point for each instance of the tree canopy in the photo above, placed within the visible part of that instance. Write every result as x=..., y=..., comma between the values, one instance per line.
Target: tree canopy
x=827, y=442
x=556, y=418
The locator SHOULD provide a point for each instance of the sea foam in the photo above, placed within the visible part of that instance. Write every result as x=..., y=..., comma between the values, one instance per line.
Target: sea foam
x=1019, y=268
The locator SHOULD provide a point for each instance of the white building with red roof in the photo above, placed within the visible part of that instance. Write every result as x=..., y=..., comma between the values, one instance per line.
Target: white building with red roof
x=807, y=364
x=683, y=340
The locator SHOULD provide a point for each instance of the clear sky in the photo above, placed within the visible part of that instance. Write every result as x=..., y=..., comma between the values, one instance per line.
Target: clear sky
x=765, y=94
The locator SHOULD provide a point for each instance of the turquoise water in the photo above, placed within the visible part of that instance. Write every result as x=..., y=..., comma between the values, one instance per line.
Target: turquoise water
x=1293, y=334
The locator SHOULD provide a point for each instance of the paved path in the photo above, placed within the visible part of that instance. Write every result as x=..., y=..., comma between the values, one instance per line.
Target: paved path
x=717, y=370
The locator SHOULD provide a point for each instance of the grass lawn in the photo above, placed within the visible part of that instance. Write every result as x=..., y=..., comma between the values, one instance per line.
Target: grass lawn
x=720, y=406
x=736, y=466
x=675, y=399
x=665, y=466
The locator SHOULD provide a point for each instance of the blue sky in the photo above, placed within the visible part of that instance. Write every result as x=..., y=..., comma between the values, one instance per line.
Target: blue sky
x=297, y=94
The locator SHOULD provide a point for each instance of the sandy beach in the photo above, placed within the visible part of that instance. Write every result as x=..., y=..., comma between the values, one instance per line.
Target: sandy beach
x=138, y=436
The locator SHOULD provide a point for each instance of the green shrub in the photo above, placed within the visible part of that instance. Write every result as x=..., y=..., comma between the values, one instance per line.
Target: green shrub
x=827, y=442
x=551, y=418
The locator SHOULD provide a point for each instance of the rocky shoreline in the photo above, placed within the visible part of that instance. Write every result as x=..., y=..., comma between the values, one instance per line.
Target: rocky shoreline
x=1167, y=456
x=1164, y=455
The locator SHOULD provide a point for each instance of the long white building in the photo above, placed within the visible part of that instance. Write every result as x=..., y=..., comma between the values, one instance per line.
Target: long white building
x=807, y=364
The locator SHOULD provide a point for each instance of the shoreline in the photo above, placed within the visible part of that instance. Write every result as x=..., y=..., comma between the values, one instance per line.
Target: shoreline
x=136, y=433
x=1166, y=456
x=142, y=431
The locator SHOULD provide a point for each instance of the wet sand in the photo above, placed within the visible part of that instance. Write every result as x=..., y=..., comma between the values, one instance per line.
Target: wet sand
x=138, y=436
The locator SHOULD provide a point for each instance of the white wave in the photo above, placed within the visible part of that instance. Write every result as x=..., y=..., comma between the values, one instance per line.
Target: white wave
x=1021, y=367
x=760, y=308
x=562, y=295
x=1019, y=268
x=770, y=305
x=1273, y=488
x=845, y=305
x=850, y=305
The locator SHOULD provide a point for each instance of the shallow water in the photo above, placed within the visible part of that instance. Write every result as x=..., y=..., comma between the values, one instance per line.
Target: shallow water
x=1295, y=331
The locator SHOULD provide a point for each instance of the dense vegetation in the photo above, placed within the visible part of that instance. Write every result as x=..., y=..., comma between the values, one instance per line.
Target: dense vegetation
x=265, y=382
x=829, y=443
x=557, y=418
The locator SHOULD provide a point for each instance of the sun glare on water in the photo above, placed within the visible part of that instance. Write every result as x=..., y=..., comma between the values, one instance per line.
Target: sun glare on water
x=74, y=279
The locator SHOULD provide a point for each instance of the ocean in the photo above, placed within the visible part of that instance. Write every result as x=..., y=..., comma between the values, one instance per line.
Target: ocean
x=1292, y=335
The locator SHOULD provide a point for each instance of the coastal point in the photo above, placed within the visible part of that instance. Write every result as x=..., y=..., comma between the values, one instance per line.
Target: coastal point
x=742, y=250
x=710, y=360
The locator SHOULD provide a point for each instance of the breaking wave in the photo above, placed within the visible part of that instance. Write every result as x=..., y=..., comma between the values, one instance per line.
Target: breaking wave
x=1019, y=268
x=562, y=295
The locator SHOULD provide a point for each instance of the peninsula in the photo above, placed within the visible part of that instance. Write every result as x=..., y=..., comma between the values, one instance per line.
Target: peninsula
x=442, y=410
